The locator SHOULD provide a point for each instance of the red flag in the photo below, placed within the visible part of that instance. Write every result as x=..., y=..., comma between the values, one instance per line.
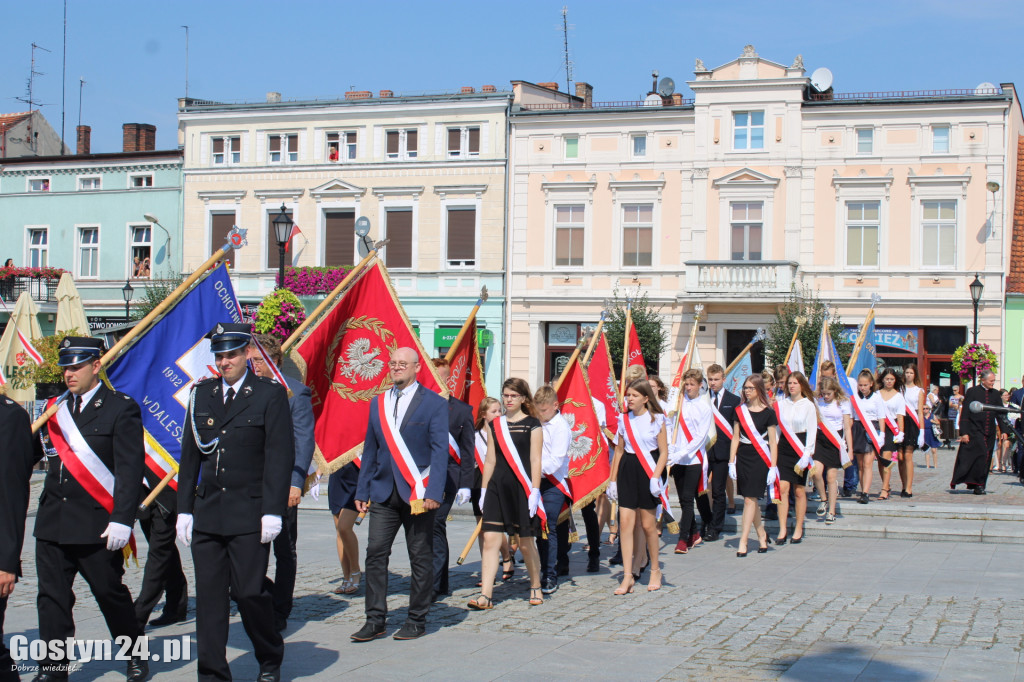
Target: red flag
x=291, y=236
x=634, y=354
x=344, y=361
x=466, y=381
x=589, y=468
x=600, y=372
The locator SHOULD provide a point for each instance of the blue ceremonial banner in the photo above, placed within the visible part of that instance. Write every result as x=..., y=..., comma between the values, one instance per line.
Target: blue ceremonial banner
x=827, y=351
x=158, y=370
x=738, y=374
x=866, y=357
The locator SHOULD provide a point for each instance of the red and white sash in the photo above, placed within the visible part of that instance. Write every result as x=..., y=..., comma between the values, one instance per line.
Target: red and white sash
x=407, y=466
x=721, y=422
x=912, y=413
x=893, y=426
x=702, y=489
x=560, y=484
x=806, y=460
x=515, y=462
x=869, y=426
x=760, y=446
x=453, y=449
x=837, y=442
x=646, y=461
x=480, y=449
x=83, y=463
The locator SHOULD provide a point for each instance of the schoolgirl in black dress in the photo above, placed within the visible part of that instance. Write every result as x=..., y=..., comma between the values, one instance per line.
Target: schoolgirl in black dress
x=834, y=407
x=800, y=417
x=914, y=401
x=746, y=466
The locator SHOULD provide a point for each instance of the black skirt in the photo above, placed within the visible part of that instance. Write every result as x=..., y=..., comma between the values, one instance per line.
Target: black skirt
x=634, y=484
x=827, y=453
x=861, y=442
x=751, y=472
x=341, y=488
x=910, y=433
x=507, y=509
x=788, y=459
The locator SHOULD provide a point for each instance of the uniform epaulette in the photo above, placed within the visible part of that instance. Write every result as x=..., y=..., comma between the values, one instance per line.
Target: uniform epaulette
x=267, y=380
x=206, y=380
x=8, y=401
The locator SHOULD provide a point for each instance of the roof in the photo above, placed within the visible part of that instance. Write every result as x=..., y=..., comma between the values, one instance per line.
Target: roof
x=1015, y=278
x=9, y=120
x=102, y=156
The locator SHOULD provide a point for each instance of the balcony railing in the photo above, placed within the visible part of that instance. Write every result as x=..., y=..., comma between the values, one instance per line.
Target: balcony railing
x=740, y=277
x=41, y=289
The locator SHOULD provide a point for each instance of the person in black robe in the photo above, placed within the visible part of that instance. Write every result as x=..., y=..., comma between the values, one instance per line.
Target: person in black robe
x=977, y=436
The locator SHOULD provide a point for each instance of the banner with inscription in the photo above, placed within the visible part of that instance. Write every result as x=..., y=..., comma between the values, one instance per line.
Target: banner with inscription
x=158, y=370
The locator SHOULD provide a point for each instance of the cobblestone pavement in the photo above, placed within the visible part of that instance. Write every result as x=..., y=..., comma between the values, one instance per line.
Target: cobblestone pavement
x=829, y=608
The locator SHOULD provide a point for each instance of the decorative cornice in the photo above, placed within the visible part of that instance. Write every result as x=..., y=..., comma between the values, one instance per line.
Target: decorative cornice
x=42, y=169
x=222, y=195
x=570, y=185
x=732, y=179
x=414, y=192
x=265, y=195
x=443, y=190
x=336, y=189
x=939, y=179
x=862, y=180
x=637, y=185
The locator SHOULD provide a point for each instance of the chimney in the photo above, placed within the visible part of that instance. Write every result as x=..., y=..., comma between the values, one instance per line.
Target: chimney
x=585, y=91
x=384, y=94
x=273, y=98
x=549, y=86
x=84, y=135
x=488, y=88
x=147, y=137
x=467, y=90
x=130, y=134
x=138, y=137
x=358, y=94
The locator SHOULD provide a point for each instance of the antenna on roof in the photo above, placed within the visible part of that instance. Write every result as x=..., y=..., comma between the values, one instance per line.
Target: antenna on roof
x=565, y=47
x=821, y=79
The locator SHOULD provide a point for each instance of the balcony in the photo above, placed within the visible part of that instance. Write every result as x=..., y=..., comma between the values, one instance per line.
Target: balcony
x=740, y=278
x=41, y=289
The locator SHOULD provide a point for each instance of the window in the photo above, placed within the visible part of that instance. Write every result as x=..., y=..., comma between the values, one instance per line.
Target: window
x=862, y=234
x=339, y=238
x=747, y=226
x=91, y=183
x=227, y=150
x=637, y=234
x=403, y=144
x=37, y=247
x=220, y=225
x=39, y=184
x=865, y=140
x=639, y=146
x=142, y=250
x=940, y=139
x=141, y=181
x=463, y=142
x=273, y=251
x=572, y=147
x=461, y=237
x=88, y=251
x=284, y=147
x=398, y=230
x=569, y=227
x=341, y=146
x=938, y=231
x=748, y=130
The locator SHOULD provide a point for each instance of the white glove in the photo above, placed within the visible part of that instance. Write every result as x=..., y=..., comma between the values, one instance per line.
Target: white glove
x=462, y=497
x=184, y=529
x=314, y=490
x=773, y=475
x=656, y=487
x=920, y=439
x=612, y=492
x=898, y=438
x=271, y=526
x=534, y=501
x=805, y=461
x=480, y=502
x=117, y=535
x=674, y=456
x=732, y=470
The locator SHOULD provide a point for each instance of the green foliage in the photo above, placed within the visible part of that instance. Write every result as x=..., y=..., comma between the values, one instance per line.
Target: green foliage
x=279, y=314
x=49, y=372
x=648, y=321
x=154, y=292
x=802, y=301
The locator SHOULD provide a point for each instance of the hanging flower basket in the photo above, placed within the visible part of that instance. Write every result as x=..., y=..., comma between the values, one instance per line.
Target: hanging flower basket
x=972, y=359
x=280, y=313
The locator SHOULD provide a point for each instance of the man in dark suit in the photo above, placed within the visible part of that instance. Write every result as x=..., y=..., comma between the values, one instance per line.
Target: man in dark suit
x=301, y=406
x=86, y=512
x=459, y=478
x=416, y=420
x=977, y=435
x=163, y=573
x=19, y=453
x=239, y=448
x=718, y=455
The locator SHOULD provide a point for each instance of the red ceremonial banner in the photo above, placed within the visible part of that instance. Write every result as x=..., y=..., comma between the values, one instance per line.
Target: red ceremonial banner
x=466, y=381
x=604, y=387
x=634, y=354
x=589, y=468
x=344, y=361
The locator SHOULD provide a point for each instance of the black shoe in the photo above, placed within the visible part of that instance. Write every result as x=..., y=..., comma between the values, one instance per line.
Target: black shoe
x=410, y=631
x=979, y=491
x=274, y=676
x=562, y=569
x=369, y=632
x=549, y=586
x=616, y=559
x=280, y=623
x=712, y=536
x=138, y=670
x=593, y=564
x=167, y=619
x=863, y=498
x=731, y=511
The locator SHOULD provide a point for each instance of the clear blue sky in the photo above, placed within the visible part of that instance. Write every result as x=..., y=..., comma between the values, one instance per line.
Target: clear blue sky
x=132, y=54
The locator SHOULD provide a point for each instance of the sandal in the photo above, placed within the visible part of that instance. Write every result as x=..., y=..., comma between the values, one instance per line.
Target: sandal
x=507, y=573
x=884, y=492
x=353, y=583
x=830, y=519
x=478, y=605
x=822, y=509
x=534, y=599
x=622, y=589
x=651, y=585
x=612, y=539
x=340, y=589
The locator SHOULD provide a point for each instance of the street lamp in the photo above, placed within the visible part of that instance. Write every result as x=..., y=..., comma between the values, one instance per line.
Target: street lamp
x=976, y=288
x=127, y=290
x=282, y=229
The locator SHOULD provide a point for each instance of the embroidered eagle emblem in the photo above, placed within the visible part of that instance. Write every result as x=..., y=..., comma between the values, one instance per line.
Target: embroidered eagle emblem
x=580, y=445
x=361, y=361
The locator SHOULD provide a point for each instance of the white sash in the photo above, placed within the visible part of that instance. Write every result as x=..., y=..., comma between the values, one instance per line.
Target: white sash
x=480, y=449
x=453, y=449
x=760, y=446
x=102, y=478
x=869, y=426
x=646, y=461
x=805, y=459
x=839, y=443
x=402, y=456
x=515, y=461
x=720, y=421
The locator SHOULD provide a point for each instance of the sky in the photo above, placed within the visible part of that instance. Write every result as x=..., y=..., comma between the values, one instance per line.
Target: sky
x=132, y=55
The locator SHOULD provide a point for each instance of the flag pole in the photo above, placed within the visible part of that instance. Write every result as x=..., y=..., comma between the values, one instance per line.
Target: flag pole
x=682, y=370
x=859, y=343
x=450, y=355
x=800, y=321
x=147, y=321
x=565, y=370
x=759, y=336
x=329, y=299
x=625, y=349
x=593, y=339
x=472, y=540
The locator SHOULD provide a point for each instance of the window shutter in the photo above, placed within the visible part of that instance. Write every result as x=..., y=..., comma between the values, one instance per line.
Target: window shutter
x=273, y=256
x=218, y=145
x=454, y=139
x=411, y=140
x=339, y=238
x=392, y=139
x=474, y=140
x=398, y=253
x=220, y=225
x=461, y=234
x=275, y=143
x=293, y=143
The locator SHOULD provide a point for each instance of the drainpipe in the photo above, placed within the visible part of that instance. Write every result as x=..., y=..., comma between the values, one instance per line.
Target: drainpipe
x=508, y=239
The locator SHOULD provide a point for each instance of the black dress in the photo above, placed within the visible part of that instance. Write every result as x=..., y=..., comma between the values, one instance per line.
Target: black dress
x=751, y=471
x=341, y=488
x=788, y=459
x=632, y=481
x=506, y=506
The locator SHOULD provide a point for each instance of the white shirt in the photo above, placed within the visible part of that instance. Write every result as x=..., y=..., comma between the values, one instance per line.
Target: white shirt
x=404, y=398
x=697, y=413
x=895, y=405
x=555, y=455
x=833, y=413
x=237, y=385
x=873, y=407
x=645, y=431
x=86, y=397
x=912, y=397
x=800, y=417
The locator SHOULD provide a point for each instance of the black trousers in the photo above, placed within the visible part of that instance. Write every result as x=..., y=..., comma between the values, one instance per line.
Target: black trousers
x=687, y=479
x=56, y=568
x=163, y=567
x=440, y=542
x=238, y=562
x=385, y=520
x=7, y=672
x=593, y=530
x=287, y=559
x=719, y=471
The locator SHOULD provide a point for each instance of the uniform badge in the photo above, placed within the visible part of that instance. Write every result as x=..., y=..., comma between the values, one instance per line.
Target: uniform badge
x=209, y=422
x=66, y=343
x=97, y=404
x=247, y=390
x=220, y=329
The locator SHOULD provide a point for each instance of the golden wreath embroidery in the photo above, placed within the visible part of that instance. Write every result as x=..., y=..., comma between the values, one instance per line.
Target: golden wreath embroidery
x=361, y=361
x=580, y=444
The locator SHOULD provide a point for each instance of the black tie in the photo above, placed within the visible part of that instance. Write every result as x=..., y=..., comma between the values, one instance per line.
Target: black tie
x=718, y=401
x=78, y=406
x=230, y=397
x=398, y=394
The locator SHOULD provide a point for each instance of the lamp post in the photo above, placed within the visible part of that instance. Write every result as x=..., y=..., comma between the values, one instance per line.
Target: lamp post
x=282, y=229
x=127, y=290
x=976, y=288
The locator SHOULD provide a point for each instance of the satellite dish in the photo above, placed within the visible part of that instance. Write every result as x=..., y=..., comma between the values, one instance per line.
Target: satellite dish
x=986, y=88
x=653, y=100
x=666, y=86
x=362, y=226
x=821, y=79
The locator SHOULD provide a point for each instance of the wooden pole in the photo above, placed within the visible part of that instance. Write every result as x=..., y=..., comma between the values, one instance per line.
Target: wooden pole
x=792, y=342
x=144, y=324
x=362, y=515
x=465, y=326
x=739, y=357
x=328, y=300
x=859, y=343
x=472, y=541
x=682, y=391
x=156, y=491
x=593, y=339
x=575, y=355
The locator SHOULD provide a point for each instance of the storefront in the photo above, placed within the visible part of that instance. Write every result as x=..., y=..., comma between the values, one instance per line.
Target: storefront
x=931, y=348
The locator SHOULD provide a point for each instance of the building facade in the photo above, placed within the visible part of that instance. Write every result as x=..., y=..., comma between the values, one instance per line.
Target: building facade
x=427, y=171
x=758, y=185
